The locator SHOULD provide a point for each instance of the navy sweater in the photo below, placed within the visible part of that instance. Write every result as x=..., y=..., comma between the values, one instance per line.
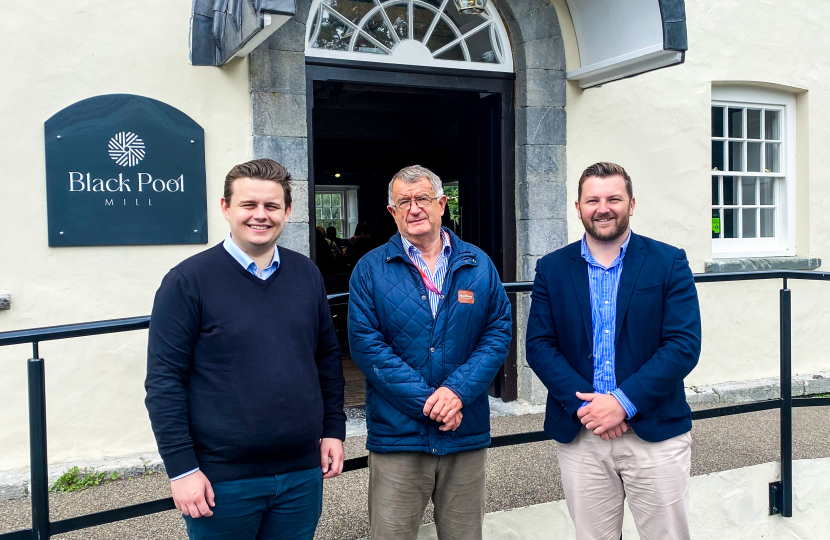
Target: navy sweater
x=244, y=375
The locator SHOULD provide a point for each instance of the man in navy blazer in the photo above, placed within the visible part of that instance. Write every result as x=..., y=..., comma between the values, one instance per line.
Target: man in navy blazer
x=614, y=327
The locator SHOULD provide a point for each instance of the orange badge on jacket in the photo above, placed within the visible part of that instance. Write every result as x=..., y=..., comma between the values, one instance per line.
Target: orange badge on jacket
x=466, y=297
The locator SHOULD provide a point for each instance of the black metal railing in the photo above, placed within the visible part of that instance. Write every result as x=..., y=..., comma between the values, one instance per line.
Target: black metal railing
x=43, y=527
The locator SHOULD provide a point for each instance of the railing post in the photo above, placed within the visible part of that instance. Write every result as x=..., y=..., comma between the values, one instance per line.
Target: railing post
x=39, y=486
x=786, y=403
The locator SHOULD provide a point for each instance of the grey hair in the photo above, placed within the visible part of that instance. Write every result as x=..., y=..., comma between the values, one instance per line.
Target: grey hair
x=412, y=174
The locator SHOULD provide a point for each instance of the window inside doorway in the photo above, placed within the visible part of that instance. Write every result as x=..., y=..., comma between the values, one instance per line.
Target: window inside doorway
x=330, y=211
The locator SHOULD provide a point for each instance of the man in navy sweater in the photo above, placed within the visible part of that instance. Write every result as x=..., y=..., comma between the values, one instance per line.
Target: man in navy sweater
x=244, y=374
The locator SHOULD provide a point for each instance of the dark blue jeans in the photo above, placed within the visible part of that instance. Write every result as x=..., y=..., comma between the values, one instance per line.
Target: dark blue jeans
x=281, y=507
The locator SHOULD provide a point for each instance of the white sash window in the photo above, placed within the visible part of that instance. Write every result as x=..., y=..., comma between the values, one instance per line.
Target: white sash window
x=753, y=172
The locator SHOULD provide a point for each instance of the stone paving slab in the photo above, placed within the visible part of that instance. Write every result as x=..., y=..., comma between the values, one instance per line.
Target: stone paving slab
x=742, y=517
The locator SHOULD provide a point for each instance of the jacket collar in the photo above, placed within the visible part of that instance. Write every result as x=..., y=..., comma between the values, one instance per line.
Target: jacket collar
x=460, y=249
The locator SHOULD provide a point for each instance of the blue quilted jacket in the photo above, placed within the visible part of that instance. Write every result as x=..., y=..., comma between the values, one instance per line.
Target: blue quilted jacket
x=406, y=354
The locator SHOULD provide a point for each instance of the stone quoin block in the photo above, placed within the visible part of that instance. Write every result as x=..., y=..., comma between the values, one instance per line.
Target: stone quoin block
x=539, y=24
x=542, y=200
x=541, y=236
x=299, y=202
x=288, y=37
x=295, y=237
x=531, y=388
x=541, y=163
x=303, y=7
x=540, y=88
x=282, y=115
x=514, y=9
x=278, y=71
x=527, y=268
x=290, y=152
x=540, y=125
x=548, y=53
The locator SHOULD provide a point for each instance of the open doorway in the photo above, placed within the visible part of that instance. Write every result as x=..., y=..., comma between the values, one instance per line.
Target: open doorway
x=364, y=126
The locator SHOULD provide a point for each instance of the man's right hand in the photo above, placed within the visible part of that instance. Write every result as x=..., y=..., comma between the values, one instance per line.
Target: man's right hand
x=193, y=495
x=615, y=431
x=452, y=423
x=442, y=405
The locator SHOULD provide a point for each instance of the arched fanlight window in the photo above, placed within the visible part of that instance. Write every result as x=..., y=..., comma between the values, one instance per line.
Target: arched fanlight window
x=415, y=32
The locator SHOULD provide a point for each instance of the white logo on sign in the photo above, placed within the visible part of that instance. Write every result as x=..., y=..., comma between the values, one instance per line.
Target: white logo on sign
x=126, y=149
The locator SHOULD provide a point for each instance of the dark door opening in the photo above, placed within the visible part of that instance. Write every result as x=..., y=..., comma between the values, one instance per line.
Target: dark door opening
x=364, y=126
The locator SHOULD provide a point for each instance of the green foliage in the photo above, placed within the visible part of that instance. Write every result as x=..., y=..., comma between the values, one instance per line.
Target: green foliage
x=452, y=202
x=76, y=479
x=819, y=395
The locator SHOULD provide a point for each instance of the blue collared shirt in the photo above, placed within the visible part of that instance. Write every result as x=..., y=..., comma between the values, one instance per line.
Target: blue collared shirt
x=441, y=266
x=604, y=284
x=248, y=263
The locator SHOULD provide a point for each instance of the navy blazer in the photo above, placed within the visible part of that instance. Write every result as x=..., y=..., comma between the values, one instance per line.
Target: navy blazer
x=657, y=339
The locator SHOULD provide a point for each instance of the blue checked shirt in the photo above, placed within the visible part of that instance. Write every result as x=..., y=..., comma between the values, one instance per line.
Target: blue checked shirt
x=440, y=267
x=604, y=284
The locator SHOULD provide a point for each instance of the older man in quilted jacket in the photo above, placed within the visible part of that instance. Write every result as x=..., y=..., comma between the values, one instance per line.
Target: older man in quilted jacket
x=429, y=326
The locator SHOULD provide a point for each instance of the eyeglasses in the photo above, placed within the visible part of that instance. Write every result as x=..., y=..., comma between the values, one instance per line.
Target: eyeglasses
x=422, y=202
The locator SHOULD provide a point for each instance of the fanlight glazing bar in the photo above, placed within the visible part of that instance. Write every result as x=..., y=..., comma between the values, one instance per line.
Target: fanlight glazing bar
x=386, y=20
x=410, y=13
x=435, y=20
x=461, y=39
x=357, y=31
x=319, y=23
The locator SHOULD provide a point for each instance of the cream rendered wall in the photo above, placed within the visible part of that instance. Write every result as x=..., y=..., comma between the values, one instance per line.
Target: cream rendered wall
x=657, y=125
x=54, y=54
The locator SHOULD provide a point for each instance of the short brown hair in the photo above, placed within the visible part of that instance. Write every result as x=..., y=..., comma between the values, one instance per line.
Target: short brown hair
x=259, y=169
x=604, y=169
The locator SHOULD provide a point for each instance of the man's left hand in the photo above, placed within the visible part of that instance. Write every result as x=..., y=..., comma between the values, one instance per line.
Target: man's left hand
x=331, y=457
x=442, y=405
x=602, y=413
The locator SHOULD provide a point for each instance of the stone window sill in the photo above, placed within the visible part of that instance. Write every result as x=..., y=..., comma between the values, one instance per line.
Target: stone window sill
x=754, y=264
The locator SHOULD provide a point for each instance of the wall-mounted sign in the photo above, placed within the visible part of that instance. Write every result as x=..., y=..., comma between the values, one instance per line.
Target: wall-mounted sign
x=124, y=169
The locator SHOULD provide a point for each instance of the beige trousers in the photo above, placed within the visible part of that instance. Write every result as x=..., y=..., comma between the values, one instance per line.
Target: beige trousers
x=598, y=475
x=401, y=484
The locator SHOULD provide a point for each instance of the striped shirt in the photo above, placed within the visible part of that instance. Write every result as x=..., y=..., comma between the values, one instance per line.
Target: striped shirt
x=440, y=267
x=604, y=284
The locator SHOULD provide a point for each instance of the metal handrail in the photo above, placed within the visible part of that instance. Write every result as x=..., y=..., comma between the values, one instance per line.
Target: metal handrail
x=111, y=326
x=43, y=528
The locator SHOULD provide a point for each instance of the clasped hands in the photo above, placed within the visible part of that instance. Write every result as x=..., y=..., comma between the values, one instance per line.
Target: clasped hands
x=603, y=415
x=444, y=406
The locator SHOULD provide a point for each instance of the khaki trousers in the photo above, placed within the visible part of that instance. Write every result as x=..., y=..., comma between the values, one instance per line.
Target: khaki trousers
x=401, y=484
x=598, y=475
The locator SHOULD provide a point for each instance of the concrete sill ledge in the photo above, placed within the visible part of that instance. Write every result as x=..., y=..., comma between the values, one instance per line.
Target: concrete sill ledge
x=762, y=263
